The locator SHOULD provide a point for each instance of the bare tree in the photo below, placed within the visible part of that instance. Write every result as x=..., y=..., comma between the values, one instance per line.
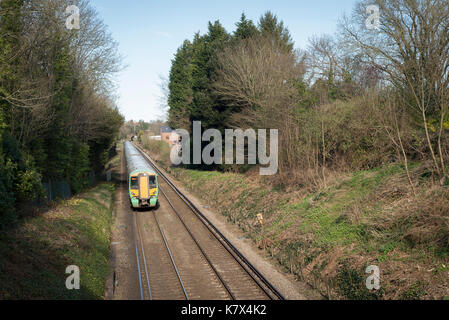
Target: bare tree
x=93, y=63
x=258, y=79
x=411, y=49
x=163, y=96
x=323, y=58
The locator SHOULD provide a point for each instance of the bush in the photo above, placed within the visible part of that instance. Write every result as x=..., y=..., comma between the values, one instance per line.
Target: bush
x=7, y=200
x=160, y=150
x=351, y=284
x=79, y=166
x=28, y=185
x=19, y=180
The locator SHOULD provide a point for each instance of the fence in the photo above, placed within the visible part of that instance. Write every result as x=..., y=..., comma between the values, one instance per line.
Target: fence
x=57, y=189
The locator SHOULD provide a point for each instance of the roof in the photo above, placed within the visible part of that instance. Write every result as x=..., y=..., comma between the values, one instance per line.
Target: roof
x=166, y=129
x=134, y=159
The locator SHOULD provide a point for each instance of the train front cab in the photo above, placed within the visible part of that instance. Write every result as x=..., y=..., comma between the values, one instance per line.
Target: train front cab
x=143, y=189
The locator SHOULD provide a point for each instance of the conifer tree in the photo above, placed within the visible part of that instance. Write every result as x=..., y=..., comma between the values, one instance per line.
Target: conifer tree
x=245, y=28
x=180, y=86
x=271, y=27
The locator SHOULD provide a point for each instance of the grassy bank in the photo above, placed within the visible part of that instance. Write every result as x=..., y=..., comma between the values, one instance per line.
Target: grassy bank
x=35, y=255
x=328, y=238
x=160, y=150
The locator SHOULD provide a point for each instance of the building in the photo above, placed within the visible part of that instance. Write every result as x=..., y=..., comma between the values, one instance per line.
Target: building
x=169, y=135
x=166, y=133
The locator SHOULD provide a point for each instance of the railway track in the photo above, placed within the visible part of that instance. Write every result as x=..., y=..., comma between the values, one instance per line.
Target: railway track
x=158, y=278
x=194, y=260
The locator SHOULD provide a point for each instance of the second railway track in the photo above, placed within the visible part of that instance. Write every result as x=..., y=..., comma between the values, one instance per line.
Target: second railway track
x=158, y=274
x=202, y=263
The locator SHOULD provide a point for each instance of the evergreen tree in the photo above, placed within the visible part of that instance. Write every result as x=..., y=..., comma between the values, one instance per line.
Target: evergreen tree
x=191, y=76
x=270, y=27
x=205, y=106
x=6, y=184
x=180, y=86
x=245, y=28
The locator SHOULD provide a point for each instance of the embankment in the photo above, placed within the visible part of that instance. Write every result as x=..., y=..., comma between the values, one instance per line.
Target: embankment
x=328, y=238
x=35, y=254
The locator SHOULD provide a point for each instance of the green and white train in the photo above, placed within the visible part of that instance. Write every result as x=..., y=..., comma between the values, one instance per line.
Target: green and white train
x=142, y=179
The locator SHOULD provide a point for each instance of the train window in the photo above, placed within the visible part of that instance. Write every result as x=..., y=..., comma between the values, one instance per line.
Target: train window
x=153, y=182
x=134, y=183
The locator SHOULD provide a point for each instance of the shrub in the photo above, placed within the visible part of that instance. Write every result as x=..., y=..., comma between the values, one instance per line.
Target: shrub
x=351, y=284
x=7, y=215
x=159, y=149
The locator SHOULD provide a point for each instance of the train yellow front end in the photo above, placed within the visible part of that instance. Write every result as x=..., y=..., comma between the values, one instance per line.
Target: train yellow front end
x=143, y=189
x=142, y=179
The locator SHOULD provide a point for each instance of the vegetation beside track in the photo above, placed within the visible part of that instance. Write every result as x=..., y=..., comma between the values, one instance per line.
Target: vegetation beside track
x=328, y=238
x=160, y=151
x=35, y=254
x=58, y=115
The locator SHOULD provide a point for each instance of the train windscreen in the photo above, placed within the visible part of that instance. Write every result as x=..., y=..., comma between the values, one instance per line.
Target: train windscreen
x=134, y=183
x=153, y=184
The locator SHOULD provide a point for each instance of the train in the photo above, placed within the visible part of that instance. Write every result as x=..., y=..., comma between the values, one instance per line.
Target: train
x=143, y=184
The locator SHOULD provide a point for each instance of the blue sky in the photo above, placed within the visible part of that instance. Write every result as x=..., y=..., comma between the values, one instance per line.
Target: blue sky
x=149, y=33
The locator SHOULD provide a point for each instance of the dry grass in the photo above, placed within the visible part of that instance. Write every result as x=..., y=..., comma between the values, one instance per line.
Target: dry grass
x=428, y=219
x=160, y=151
